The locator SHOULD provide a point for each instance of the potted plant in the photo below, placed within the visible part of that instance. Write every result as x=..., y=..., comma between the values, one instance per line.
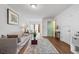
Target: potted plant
x=34, y=35
x=34, y=42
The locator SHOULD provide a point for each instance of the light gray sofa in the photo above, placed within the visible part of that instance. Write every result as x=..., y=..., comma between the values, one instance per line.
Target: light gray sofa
x=11, y=45
x=8, y=45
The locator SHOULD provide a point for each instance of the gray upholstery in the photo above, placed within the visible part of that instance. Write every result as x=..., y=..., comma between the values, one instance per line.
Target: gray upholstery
x=8, y=45
x=11, y=45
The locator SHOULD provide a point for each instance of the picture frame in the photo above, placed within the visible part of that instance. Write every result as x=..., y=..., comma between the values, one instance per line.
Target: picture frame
x=12, y=17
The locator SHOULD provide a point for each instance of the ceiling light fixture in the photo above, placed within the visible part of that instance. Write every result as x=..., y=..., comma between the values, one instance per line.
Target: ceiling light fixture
x=33, y=5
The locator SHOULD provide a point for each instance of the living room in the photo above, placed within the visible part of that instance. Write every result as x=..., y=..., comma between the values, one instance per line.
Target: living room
x=47, y=20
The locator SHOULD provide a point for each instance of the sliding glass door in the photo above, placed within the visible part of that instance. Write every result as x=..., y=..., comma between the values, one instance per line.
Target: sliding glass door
x=51, y=28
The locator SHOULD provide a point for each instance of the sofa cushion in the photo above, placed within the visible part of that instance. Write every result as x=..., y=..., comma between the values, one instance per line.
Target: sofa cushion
x=12, y=36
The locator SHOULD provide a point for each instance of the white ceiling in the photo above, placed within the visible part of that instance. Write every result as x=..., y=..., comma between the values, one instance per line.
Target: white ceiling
x=42, y=10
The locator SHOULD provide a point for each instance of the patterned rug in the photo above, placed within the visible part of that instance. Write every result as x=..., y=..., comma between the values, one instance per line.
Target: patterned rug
x=43, y=47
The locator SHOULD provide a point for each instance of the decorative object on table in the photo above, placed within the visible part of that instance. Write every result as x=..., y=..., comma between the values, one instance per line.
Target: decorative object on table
x=3, y=36
x=12, y=17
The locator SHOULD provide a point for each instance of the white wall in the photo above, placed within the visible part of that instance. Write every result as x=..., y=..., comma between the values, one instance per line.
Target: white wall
x=23, y=18
x=4, y=27
x=44, y=27
x=68, y=22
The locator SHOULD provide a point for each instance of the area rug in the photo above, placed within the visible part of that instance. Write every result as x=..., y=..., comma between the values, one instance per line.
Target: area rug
x=43, y=47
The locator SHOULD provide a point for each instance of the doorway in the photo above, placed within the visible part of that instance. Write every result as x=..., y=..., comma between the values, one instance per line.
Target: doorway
x=36, y=28
x=51, y=28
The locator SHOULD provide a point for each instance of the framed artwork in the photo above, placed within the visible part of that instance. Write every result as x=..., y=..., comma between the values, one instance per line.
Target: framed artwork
x=12, y=17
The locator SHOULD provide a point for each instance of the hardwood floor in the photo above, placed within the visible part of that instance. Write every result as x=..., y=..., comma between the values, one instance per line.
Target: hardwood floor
x=62, y=47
